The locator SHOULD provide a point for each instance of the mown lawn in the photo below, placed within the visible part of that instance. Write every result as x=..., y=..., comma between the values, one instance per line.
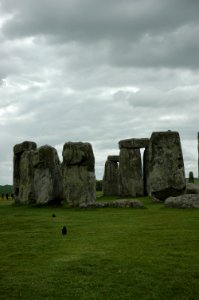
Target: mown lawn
x=109, y=253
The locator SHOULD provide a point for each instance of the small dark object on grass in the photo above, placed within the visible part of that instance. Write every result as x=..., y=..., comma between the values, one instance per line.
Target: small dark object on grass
x=64, y=230
x=53, y=215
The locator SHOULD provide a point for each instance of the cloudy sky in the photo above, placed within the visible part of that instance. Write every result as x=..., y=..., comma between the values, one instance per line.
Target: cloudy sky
x=97, y=71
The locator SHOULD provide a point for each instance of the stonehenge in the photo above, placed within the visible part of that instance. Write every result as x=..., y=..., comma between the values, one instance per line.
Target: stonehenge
x=160, y=174
x=40, y=178
x=166, y=166
x=78, y=169
x=131, y=181
x=110, y=184
x=37, y=174
x=47, y=175
x=23, y=189
x=134, y=143
x=198, y=154
x=130, y=173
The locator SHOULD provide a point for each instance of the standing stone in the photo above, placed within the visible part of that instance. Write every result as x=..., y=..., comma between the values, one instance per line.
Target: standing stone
x=130, y=173
x=146, y=171
x=191, y=177
x=198, y=154
x=110, y=179
x=23, y=172
x=166, y=166
x=37, y=174
x=78, y=173
x=47, y=176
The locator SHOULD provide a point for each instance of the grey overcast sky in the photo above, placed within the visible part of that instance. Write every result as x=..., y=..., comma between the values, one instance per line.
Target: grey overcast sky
x=97, y=71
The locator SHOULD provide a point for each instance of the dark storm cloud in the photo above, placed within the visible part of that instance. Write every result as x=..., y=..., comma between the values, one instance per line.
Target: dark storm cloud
x=177, y=49
x=93, y=19
x=140, y=33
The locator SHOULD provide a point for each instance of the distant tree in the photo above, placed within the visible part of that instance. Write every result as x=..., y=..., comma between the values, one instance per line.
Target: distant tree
x=2, y=196
x=7, y=195
x=98, y=185
x=191, y=177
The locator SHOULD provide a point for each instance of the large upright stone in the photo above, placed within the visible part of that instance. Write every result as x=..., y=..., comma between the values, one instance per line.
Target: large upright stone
x=198, y=154
x=37, y=174
x=166, y=166
x=23, y=172
x=78, y=173
x=47, y=176
x=130, y=173
x=111, y=180
x=146, y=170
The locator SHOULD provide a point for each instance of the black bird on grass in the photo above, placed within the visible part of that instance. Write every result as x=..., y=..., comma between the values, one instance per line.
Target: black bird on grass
x=64, y=230
x=53, y=215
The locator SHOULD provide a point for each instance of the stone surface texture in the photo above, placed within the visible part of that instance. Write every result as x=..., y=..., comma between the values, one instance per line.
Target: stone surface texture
x=166, y=166
x=198, y=154
x=192, y=188
x=25, y=146
x=114, y=158
x=37, y=174
x=130, y=173
x=110, y=184
x=134, y=143
x=78, y=173
x=47, y=176
x=116, y=204
x=23, y=172
x=183, y=201
x=146, y=170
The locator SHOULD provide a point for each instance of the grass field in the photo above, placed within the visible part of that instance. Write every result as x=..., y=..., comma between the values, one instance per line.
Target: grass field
x=109, y=253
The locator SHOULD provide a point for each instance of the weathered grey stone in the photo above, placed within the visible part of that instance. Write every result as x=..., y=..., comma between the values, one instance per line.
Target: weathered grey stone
x=198, y=154
x=37, y=174
x=26, y=189
x=78, y=173
x=114, y=158
x=192, y=188
x=183, y=201
x=22, y=172
x=130, y=173
x=47, y=176
x=166, y=166
x=25, y=146
x=146, y=170
x=134, y=143
x=110, y=184
x=116, y=204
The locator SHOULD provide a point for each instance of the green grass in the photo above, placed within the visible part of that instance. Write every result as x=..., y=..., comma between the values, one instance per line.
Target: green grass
x=109, y=253
x=196, y=180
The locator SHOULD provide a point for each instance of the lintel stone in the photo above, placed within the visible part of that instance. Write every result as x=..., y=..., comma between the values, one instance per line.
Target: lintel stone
x=134, y=143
